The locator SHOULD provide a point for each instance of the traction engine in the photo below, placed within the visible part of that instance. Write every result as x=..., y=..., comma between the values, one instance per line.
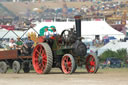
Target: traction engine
x=65, y=51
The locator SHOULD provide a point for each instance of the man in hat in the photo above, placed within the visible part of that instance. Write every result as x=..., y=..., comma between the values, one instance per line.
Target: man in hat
x=53, y=30
x=19, y=43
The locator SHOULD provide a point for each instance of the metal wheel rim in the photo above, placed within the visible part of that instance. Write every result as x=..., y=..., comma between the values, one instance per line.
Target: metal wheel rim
x=90, y=63
x=39, y=59
x=66, y=64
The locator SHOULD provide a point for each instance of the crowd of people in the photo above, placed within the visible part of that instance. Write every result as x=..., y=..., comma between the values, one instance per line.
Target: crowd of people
x=24, y=47
x=96, y=8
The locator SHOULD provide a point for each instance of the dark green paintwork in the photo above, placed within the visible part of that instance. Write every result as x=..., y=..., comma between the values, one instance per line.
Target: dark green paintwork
x=60, y=49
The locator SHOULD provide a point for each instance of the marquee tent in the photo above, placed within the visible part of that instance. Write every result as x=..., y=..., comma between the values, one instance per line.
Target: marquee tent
x=89, y=28
x=114, y=46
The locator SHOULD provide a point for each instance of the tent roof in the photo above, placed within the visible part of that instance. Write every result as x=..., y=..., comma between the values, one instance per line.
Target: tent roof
x=98, y=28
x=114, y=46
x=88, y=27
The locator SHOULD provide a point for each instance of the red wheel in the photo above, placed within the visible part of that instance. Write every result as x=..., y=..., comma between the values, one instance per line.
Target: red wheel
x=68, y=64
x=92, y=63
x=42, y=58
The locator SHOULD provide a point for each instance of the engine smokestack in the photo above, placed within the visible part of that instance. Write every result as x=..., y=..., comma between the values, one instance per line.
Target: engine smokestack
x=78, y=25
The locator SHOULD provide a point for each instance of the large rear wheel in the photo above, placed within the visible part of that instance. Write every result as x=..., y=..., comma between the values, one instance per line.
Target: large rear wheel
x=68, y=64
x=92, y=63
x=42, y=58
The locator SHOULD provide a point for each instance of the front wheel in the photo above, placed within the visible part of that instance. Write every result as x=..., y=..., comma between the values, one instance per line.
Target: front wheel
x=68, y=64
x=92, y=63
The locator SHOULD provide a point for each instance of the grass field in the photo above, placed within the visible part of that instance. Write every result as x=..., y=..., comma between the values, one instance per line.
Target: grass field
x=82, y=70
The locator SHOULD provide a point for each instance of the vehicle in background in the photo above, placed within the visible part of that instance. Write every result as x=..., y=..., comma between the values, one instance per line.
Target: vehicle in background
x=112, y=63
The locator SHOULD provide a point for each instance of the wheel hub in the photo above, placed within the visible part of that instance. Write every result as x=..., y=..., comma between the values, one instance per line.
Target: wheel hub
x=40, y=57
x=92, y=63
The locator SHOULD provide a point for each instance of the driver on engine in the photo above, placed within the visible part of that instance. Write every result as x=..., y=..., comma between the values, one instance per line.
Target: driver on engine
x=47, y=33
x=53, y=30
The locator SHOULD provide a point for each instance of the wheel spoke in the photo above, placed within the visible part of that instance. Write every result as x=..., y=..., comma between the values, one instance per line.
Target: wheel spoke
x=66, y=59
x=92, y=58
x=91, y=69
x=43, y=53
x=69, y=68
x=40, y=49
x=44, y=65
x=37, y=55
x=40, y=65
x=36, y=60
x=69, y=63
x=42, y=68
x=45, y=60
x=66, y=68
x=37, y=51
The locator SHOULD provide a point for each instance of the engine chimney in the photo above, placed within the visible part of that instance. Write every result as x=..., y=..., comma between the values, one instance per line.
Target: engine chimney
x=78, y=25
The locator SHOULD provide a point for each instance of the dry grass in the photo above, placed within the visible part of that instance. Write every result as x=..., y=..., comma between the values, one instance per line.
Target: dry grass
x=56, y=77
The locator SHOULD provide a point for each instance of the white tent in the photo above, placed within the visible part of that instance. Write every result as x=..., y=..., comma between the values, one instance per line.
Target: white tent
x=88, y=28
x=114, y=46
x=92, y=28
x=98, y=28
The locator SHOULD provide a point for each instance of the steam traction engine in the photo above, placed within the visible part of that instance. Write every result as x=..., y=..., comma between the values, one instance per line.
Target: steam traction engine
x=65, y=51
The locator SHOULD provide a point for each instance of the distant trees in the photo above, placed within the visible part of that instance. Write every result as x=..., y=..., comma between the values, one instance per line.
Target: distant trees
x=120, y=54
